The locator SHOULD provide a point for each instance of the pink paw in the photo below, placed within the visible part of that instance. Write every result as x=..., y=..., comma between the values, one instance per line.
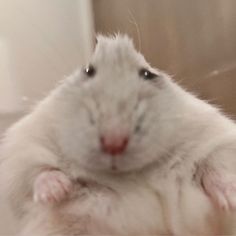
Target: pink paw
x=221, y=188
x=51, y=186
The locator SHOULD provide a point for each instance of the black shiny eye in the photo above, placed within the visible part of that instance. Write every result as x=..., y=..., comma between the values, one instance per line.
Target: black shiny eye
x=90, y=71
x=146, y=74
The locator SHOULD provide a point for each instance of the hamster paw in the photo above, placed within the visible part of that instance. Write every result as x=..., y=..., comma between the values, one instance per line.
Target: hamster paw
x=221, y=188
x=51, y=186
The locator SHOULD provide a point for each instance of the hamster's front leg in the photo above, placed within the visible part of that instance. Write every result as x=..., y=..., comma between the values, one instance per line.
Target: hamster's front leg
x=51, y=186
x=217, y=175
x=220, y=186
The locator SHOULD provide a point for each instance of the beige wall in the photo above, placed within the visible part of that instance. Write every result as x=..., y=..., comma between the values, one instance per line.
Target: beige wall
x=194, y=40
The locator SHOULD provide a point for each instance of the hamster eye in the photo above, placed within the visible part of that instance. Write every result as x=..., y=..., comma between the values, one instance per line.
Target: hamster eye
x=147, y=75
x=90, y=71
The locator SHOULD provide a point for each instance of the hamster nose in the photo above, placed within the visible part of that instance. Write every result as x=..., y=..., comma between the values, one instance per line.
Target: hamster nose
x=113, y=144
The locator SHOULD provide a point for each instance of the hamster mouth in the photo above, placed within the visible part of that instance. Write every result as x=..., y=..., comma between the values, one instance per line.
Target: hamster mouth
x=113, y=163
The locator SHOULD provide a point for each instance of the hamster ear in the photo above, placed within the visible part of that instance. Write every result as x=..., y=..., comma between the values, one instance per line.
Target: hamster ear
x=96, y=40
x=100, y=37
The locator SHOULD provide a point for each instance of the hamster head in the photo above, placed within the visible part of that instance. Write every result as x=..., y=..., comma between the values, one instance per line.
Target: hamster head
x=110, y=112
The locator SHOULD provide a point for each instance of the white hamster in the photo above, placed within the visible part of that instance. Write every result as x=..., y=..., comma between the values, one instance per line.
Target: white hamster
x=119, y=149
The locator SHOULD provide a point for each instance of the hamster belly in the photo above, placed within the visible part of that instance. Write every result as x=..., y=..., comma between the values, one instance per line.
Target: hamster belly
x=129, y=209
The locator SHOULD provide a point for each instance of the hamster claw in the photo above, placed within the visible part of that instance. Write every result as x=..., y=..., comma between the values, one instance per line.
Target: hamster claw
x=51, y=187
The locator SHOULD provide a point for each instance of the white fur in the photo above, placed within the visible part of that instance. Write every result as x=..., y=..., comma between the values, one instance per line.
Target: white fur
x=156, y=188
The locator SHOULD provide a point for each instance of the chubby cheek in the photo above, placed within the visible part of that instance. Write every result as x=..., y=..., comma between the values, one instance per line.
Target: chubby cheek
x=90, y=154
x=144, y=117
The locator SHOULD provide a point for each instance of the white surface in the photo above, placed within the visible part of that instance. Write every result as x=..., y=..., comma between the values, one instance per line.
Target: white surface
x=9, y=95
x=44, y=41
x=41, y=42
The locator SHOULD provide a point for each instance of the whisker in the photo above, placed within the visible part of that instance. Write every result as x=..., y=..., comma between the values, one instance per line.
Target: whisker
x=134, y=22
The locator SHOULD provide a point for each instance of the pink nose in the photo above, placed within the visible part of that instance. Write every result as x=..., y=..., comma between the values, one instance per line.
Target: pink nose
x=114, y=145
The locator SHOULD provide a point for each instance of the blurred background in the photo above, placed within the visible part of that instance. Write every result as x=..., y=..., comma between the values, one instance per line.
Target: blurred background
x=41, y=42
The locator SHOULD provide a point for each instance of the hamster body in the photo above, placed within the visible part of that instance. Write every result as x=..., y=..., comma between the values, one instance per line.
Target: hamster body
x=119, y=149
